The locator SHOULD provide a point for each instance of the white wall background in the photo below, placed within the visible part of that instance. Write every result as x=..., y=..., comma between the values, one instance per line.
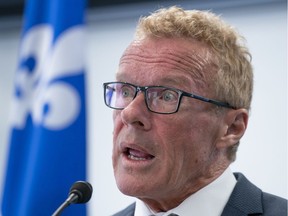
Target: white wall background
x=262, y=156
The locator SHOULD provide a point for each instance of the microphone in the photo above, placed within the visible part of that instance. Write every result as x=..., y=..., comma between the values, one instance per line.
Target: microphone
x=80, y=192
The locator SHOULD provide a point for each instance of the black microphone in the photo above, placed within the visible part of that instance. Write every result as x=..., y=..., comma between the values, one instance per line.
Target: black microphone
x=80, y=192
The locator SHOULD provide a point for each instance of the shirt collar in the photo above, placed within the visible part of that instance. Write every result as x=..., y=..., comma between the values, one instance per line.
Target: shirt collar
x=209, y=200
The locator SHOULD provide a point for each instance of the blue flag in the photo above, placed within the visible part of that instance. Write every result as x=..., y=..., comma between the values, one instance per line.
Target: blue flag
x=48, y=128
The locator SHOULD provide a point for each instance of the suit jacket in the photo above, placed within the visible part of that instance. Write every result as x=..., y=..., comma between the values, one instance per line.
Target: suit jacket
x=246, y=199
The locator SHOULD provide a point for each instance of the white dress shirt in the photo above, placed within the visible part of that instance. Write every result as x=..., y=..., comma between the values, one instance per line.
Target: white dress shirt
x=209, y=200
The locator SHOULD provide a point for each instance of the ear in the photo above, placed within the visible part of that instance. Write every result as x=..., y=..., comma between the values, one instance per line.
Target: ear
x=234, y=126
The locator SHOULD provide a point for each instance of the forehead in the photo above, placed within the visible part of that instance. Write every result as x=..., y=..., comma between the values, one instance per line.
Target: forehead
x=174, y=59
x=169, y=44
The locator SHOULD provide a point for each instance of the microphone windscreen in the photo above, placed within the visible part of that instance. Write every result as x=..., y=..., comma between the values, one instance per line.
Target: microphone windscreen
x=83, y=190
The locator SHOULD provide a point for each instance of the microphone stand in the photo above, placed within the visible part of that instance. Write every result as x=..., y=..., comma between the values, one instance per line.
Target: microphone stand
x=71, y=199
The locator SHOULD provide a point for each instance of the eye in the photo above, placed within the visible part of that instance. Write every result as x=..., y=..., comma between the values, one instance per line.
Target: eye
x=127, y=92
x=168, y=95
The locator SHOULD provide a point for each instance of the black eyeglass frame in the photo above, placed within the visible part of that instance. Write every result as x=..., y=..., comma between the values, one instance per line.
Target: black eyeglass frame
x=180, y=93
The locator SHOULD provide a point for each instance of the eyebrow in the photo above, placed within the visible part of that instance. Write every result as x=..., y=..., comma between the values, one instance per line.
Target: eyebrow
x=174, y=80
x=165, y=81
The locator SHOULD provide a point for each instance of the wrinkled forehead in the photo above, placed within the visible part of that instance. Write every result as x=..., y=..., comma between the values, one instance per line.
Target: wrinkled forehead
x=188, y=56
x=154, y=46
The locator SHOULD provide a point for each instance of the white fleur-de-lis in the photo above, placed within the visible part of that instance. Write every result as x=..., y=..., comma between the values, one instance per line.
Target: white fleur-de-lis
x=53, y=103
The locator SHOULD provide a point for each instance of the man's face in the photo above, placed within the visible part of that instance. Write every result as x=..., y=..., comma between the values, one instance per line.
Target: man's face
x=158, y=156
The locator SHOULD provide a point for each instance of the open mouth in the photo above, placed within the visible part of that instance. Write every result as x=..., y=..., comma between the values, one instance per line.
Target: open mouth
x=137, y=155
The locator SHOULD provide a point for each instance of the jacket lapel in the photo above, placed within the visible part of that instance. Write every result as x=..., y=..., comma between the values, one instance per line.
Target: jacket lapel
x=244, y=200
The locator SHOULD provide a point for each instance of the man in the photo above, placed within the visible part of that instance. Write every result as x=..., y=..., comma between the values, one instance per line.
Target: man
x=182, y=97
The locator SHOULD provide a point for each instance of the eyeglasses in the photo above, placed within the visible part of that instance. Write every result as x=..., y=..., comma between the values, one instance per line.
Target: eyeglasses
x=158, y=99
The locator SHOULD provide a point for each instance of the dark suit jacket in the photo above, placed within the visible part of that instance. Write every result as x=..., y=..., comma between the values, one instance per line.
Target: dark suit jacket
x=246, y=199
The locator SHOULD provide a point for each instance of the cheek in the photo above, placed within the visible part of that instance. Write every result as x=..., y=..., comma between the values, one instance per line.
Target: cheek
x=179, y=130
x=176, y=140
x=115, y=116
x=180, y=157
x=117, y=123
x=116, y=131
x=189, y=139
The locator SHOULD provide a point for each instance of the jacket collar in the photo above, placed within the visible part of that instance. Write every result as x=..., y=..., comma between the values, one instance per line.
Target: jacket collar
x=245, y=199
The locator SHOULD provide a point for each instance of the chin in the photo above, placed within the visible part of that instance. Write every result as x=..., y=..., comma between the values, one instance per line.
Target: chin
x=131, y=186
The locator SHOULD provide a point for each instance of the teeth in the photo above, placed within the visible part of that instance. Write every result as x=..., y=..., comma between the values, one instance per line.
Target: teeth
x=136, y=158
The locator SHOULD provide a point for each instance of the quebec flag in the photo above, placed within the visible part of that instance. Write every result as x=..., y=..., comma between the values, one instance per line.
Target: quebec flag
x=48, y=128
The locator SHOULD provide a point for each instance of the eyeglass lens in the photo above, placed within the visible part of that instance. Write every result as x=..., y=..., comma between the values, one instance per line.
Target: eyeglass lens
x=158, y=99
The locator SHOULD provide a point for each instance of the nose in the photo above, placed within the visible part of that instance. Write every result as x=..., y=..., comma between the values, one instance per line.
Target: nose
x=137, y=114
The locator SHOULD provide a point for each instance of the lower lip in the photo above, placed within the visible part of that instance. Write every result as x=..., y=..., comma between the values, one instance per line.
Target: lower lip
x=128, y=160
